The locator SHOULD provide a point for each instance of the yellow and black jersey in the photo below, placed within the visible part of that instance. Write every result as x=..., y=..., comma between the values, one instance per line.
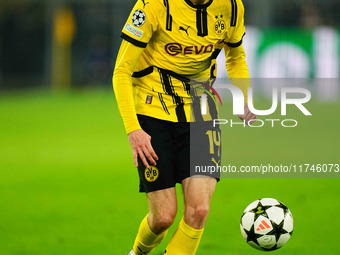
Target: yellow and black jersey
x=183, y=37
x=179, y=41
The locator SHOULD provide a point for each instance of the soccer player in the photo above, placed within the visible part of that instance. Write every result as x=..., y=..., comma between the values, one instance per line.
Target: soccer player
x=165, y=44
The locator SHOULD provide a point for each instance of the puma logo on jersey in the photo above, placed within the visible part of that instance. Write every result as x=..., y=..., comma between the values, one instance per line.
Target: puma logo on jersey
x=144, y=3
x=185, y=30
x=213, y=160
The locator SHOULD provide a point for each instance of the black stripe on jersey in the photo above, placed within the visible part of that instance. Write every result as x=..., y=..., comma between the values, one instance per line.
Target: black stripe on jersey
x=169, y=90
x=180, y=108
x=143, y=72
x=168, y=16
x=165, y=108
x=196, y=108
x=215, y=54
x=186, y=86
x=212, y=108
x=173, y=74
x=202, y=22
x=234, y=45
x=166, y=82
x=133, y=41
x=212, y=70
x=233, y=13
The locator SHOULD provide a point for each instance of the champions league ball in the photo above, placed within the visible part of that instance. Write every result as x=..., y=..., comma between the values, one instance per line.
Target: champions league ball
x=266, y=224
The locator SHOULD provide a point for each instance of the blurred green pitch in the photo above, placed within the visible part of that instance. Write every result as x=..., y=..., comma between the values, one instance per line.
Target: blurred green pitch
x=68, y=184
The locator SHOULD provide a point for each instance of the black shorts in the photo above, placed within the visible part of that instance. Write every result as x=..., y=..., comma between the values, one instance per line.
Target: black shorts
x=181, y=148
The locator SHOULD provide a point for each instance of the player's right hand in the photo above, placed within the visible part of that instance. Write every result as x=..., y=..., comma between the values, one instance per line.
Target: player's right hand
x=140, y=143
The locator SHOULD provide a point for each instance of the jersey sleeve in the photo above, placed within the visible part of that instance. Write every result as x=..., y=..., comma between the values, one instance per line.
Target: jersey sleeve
x=142, y=23
x=237, y=28
x=237, y=68
x=122, y=83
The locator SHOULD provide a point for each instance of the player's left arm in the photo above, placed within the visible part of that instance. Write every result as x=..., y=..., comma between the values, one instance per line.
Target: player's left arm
x=239, y=76
x=235, y=61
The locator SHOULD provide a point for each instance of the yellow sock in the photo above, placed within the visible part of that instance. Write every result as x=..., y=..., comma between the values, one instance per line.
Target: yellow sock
x=185, y=241
x=146, y=240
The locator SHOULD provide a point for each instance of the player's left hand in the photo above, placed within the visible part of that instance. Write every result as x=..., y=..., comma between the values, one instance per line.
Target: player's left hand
x=248, y=117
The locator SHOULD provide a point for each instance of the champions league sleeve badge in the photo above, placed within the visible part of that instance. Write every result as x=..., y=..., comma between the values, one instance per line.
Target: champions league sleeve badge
x=138, y=18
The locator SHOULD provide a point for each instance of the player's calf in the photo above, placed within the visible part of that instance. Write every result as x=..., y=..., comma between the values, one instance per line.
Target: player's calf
x=146, y=240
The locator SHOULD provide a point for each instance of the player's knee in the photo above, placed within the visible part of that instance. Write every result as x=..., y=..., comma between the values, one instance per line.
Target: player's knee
x=201, y=213
x=164, y=221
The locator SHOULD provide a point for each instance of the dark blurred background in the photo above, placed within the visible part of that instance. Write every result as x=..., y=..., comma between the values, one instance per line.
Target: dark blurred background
x=58, y=43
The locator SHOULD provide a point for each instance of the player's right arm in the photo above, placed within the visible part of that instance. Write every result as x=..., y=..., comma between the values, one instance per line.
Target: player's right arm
x=136, y=34
x=127, y=59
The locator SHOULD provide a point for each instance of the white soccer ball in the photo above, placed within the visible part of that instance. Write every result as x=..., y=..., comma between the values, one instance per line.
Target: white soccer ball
x=266, y=224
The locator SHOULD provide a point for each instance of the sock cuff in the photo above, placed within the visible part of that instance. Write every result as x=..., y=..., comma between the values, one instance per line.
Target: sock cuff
x=151, y=235
x=189, y=231
x=146, y=226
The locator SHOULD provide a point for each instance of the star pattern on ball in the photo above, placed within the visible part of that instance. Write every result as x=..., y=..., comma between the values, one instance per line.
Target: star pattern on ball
x=260, y=210
x=252, y=236
x=277, y=230
x=285, y=209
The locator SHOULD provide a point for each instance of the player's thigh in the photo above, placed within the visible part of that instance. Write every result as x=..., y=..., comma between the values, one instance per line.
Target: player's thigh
x=198, y=191
x=162, y=175
x=205, y=149
x=198, y=151
x=163, y=203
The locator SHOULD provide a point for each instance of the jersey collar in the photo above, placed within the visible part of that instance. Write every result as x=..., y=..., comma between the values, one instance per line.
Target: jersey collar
x=202, y=6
